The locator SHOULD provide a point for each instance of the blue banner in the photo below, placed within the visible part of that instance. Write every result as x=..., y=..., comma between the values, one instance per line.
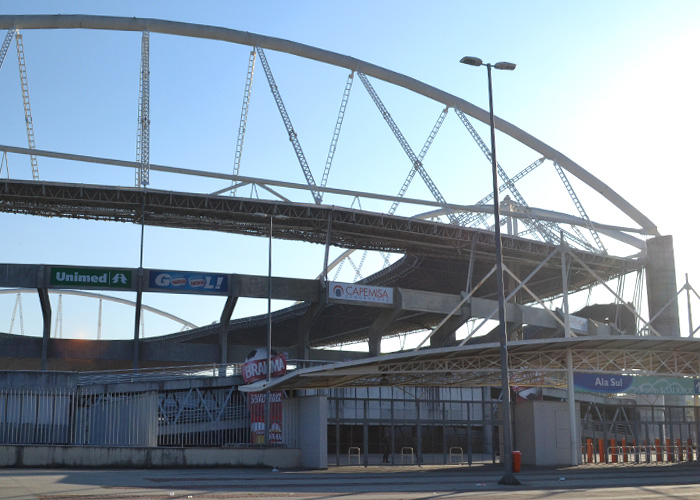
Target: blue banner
x=188, y=282
x=637, y=384
x=592, y=382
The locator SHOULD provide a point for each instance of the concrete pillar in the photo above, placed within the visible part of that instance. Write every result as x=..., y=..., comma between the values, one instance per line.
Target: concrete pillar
x=46, y=315
x=447, y=334
x=313, y=431
x=304, y=329
x=444, y=338
x=137, y=319
x=223, y=330
x=514, y=328
x=377, y=328
x=661, y=286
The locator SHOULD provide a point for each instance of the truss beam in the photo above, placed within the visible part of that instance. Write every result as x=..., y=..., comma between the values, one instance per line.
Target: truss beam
x=351, y=229
x=530, y=363
x=293, y=138
x=143, y=138
x=336, y=131
x=31, y=141
x=579, y=206
x=243, y=123
x=415, y=161
x=6, y=44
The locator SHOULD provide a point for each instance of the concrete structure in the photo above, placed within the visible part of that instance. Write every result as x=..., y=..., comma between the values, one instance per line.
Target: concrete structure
x=59, y=420
x=313, y=431
x=101, y=457
x=662, y=287
x=542, y=432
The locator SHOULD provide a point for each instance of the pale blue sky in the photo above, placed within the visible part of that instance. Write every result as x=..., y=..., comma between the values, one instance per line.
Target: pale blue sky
x=611, y=84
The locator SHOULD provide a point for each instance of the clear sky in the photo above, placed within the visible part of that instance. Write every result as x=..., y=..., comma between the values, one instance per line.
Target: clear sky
x=611, y=84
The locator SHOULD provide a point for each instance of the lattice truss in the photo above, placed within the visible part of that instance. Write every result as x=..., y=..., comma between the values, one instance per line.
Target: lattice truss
x=543, y=366
x=539, y=229
x=198, y=406
x=304, y=222
x=543, y=231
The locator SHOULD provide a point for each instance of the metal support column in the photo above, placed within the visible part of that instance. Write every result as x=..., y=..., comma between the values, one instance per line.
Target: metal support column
x=327, y=249
x=573, y=420
x=305, y=324
x=365, y=430
x=419, y=434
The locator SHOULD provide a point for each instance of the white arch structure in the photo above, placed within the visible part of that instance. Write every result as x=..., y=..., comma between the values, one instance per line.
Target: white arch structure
x=335, y=59
x=108, y=298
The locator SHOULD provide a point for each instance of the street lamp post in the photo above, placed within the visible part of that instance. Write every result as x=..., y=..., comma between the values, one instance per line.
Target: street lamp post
x=508, y=477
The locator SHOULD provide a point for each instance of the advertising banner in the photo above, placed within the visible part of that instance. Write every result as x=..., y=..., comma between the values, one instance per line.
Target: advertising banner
x=256, y=405
x=175, y=281
x=80, y=277
x=629, y=384
x=361, y=293
x=255, y=368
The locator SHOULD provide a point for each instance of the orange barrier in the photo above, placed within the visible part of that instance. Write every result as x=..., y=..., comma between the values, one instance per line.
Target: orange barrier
x=625, y=453
x=613, y=449
x=589, y=451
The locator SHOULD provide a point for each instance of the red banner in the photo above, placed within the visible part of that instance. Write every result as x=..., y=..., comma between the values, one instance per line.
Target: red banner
x=256, y=405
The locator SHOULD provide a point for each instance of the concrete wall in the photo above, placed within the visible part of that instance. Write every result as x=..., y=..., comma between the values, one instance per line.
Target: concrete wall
x=41, y=380
x=122, y=457
x=542, y=432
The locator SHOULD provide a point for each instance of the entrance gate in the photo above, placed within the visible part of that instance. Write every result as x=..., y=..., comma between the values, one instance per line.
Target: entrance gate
x=420, y=425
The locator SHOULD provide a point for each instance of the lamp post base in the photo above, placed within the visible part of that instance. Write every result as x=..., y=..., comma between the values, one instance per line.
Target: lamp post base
x=509, y=480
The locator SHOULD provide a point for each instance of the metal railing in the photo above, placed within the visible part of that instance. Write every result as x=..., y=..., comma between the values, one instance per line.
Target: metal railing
x=97, y=416
x=158, y=374
x=614, y=453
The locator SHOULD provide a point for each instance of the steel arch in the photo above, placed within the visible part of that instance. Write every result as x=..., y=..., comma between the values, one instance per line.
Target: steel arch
x=335, y=59
x=108, y=298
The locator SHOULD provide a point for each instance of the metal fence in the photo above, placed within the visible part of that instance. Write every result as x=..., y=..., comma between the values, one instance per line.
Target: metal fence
x=631, y=432
x=98, y=416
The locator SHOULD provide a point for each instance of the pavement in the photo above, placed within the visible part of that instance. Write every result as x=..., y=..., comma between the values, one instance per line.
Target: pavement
x=355, y=482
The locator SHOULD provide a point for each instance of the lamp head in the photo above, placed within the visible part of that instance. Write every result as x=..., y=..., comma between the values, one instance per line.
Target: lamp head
x=504, y=65
x=472, y=61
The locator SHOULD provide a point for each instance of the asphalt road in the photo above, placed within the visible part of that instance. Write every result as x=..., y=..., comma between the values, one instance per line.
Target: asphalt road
x=354, y=482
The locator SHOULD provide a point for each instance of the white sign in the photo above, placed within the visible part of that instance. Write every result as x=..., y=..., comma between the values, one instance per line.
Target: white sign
x=361, y=293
